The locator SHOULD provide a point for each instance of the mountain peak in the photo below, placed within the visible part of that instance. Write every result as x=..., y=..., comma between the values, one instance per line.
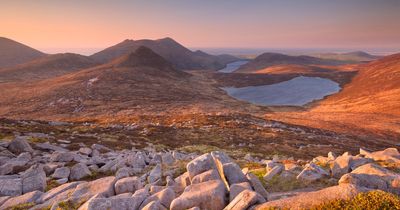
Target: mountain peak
x=143, y=56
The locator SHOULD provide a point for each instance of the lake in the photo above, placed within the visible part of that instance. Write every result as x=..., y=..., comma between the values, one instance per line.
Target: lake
x=295, y=92
x=231, y=67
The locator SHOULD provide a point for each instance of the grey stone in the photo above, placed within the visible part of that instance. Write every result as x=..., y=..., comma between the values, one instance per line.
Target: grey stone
x=200, y=164
x=244, y=200
x=273, y=172
x=61, y=173
x=257, y=185
x=30, y=197
x=79, y=171
x=165, y=197
x=206, y=176
x=103, y=186
x=209, y=195
x=237, y=188
x=19, y=145
x=155, y=174
x=233, y=173
x=312, y=172
x=128, y=184
x=10, y=186
x=34, y=179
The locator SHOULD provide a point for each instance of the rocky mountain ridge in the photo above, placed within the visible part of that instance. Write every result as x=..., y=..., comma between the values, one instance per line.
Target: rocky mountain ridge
x=51, y=176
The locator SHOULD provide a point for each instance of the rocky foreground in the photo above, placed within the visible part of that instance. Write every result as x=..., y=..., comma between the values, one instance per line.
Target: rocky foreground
x=50, y=176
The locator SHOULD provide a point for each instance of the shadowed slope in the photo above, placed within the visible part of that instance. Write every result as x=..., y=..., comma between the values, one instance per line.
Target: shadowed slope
x=13, y=53
x=46, y=67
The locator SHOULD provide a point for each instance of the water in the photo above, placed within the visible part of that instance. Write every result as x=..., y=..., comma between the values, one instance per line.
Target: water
x=231, y=67
x=295, y=92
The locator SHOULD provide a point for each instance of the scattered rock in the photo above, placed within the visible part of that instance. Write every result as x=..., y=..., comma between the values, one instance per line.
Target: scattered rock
x=200, y=164
x=257, y=185
x=154, y=205
x=233, y=173
x=61, y=173
x=103, y=186
x=273, y=172
x=62, y=156
x=155, y=174
x=237, y=188
x=312, y=172
x=30, y=197
x=128, y=184
x=79, y=171
x=165, y=197
x=85, y=150
x=206, y=176
x=34, y=179
x=10, y=186
x=244, y=200
x=19, y=145
x=308, y=199
x=209, y=195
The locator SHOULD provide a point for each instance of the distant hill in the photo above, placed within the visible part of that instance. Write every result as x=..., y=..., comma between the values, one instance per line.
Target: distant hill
x=357, y=56
x=129, y=85
x=272, y=59
x=13, y=53
x=181, y=57
x=376, y=89
x=370, y=102
x=46, y=67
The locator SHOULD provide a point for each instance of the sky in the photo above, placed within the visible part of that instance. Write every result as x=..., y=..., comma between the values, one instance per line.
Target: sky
x=87, y=25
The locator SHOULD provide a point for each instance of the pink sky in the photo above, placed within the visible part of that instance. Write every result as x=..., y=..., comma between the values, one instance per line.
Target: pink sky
x=46, y=24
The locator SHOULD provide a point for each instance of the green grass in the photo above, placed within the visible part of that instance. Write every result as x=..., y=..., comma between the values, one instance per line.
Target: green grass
x=373, y=200
x=23, y=206
x=51, y=183
x=280, y=184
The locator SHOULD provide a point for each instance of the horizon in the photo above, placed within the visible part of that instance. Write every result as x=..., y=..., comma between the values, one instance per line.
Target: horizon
x=55, y=27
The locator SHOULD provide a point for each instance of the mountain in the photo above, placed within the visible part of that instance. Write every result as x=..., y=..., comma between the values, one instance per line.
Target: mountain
x=272, y=59
x=136, y=83
x=376, y=89
x=46, y=67
x=357, y=56
x=181, y=57
x=370, y=102
x=13, y=53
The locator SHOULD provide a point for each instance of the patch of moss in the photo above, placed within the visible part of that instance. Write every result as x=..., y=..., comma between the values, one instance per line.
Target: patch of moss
x=37, y=140
x=23, y=206
x=373, y=200
x=67, y=205
x=201, y=148
x=51, y=183
x=260, y=172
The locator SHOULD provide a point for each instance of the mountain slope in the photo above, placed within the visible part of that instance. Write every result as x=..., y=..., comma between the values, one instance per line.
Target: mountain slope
x=272, y=59
x=13, y=53
x=46, y=67
x=181, y=57
x=371, y=101
x=137, y=83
